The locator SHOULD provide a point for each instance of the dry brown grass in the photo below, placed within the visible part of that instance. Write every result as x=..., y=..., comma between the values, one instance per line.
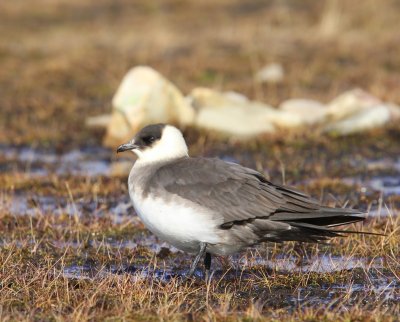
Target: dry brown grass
x=65, y=266
x=37, y=252
x=61, y=61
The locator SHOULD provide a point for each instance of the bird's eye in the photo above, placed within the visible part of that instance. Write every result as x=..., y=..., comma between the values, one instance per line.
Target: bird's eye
x=149, y=139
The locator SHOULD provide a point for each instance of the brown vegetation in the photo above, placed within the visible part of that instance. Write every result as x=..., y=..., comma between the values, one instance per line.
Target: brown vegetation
x=68, y=256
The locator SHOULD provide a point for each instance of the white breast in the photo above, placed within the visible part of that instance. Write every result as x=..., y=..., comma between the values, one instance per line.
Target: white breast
x=177, y=223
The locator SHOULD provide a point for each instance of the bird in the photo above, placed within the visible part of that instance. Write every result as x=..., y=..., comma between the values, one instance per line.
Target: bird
x=208, y=207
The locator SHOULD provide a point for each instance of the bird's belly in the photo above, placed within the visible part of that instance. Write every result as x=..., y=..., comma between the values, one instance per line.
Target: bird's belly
x=178, y=224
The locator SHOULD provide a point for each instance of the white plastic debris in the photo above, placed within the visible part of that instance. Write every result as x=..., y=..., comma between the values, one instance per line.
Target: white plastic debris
x=271, y=73
x=145, y=97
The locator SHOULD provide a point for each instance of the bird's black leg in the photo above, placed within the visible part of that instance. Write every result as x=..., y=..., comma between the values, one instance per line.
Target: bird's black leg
x=201, y=252
x=207, y=265
x=207, y=261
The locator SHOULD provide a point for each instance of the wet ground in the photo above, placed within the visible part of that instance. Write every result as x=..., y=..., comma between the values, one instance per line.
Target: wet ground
x=285, y=277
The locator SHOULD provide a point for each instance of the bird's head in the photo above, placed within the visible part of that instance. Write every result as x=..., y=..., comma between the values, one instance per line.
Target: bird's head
x=157, y=142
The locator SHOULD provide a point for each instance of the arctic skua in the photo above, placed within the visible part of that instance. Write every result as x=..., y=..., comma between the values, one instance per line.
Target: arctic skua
x=211, y=207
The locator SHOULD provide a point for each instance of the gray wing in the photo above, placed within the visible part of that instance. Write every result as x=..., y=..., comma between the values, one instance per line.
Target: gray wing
x=235, y=192
x=246, y=201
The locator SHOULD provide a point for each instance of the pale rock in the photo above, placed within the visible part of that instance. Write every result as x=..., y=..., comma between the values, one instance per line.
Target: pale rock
x=357, y=111
x=365, y=119
x=238, y=97
x=271, y=73
x=229, y=113
x=350, y=103
x=285, y=119
x=309, y=111
x=145, y=97
x=234, y=114
x=202, y=97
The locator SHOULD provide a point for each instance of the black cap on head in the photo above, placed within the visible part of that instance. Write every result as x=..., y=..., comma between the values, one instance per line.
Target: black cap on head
x=145, y=138
x=150, y=134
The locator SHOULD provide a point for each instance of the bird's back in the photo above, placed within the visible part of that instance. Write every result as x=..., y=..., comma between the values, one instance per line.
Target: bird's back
x=245, y=207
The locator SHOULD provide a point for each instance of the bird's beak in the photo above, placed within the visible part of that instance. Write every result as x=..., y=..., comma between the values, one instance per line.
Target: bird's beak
x=127, y=146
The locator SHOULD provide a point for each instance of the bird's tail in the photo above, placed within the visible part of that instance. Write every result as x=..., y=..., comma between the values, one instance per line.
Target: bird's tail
x=316, y=226
x=325, y=216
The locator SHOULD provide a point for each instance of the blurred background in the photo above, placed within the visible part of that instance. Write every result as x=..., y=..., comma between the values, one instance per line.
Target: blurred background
x=62, y=61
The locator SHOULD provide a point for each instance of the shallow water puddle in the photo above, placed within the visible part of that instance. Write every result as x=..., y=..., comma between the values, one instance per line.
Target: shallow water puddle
x=23, y=205
x=316, y=264
x=382, y=212
x=99, y=161
x=387, y=185
x=380, y=164
x=345, y=295
x=137, y=273
x=30, y=205
x=81, y=272
x=137, y=240
x=321, y=264
x=85, y=162
x=375, y=283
